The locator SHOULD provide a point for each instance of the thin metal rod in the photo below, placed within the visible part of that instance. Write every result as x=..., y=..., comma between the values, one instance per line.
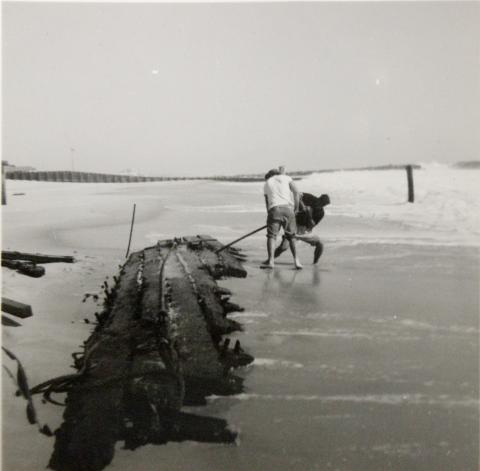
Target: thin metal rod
x=240, y=238
x=131, y=230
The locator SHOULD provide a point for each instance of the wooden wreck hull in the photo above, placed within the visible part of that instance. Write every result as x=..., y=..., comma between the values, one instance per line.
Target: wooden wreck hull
x=157, y=346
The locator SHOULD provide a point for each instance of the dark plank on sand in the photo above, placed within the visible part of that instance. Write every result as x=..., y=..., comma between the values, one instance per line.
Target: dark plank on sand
x=36, y=258
x=24, y=267
x=16, y=308
x=7, y=322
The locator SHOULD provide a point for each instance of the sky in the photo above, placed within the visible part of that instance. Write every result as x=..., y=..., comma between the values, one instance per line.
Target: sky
x=238, y=88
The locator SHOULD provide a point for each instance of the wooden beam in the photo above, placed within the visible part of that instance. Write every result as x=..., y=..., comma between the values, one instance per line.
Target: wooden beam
x=26, y=268
x=15, y=308
x=8, y=322
x=36, y=257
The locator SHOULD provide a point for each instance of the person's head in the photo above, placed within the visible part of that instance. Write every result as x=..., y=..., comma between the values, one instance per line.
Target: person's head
x=315, y=205
x=271, y=173
x=317, y=210
x=324, y=200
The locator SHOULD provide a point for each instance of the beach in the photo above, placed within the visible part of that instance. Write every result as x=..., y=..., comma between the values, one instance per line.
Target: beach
x=367, y=361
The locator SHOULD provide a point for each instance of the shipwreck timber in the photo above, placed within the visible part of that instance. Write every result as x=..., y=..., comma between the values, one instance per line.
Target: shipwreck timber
x=158, y=345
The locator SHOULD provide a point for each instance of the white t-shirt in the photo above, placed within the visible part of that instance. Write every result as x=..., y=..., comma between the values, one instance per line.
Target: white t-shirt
x=277, y=190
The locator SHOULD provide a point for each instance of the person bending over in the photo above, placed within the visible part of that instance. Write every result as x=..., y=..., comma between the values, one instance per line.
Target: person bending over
x=310, y=213
x=282, y=201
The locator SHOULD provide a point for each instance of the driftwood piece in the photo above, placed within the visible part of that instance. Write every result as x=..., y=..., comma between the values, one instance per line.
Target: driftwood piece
x=36, y=258
x=155, y=349
x=25, y=268
x=16, y=308
x=8, y=322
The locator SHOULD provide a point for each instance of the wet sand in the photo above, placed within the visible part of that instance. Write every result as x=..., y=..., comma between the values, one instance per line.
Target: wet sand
x=368, y=361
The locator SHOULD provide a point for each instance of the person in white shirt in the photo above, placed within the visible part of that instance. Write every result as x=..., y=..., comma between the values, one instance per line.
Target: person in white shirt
x=282, y=200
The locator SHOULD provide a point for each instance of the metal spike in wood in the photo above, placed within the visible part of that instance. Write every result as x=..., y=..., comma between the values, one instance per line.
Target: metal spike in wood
x=225, y=346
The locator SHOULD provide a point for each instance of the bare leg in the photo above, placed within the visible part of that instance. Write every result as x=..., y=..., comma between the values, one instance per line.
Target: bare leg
x=293, y=249
x=282, y=247
x=308, y=239
x=314, y=241
x=269, y=263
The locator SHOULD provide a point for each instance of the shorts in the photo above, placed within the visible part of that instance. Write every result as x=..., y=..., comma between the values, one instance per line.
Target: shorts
x=281, y=216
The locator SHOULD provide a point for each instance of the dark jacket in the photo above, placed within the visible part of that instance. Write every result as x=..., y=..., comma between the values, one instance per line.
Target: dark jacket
x=311, y=210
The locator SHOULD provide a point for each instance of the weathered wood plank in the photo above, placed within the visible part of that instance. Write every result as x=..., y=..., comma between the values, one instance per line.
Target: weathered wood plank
x=37, y=258
x=25, y=268
x=126, y=294
x=7, y=322
x=16, y=308
x=207, y=298
x=151, y=289
x=158, y=388
x=198, y=354
x=93, y=418
x=192, y=239
x=205, y=289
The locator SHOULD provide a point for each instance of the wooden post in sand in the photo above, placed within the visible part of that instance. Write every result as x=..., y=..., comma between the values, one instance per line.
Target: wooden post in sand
x=411, y=196
x=4, y=190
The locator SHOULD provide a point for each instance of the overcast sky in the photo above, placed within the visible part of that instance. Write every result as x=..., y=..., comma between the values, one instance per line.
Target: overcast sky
x=185, y=89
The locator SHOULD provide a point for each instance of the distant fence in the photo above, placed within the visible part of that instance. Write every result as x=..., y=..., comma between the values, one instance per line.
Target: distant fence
x=82, y=177
x=88, y=177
